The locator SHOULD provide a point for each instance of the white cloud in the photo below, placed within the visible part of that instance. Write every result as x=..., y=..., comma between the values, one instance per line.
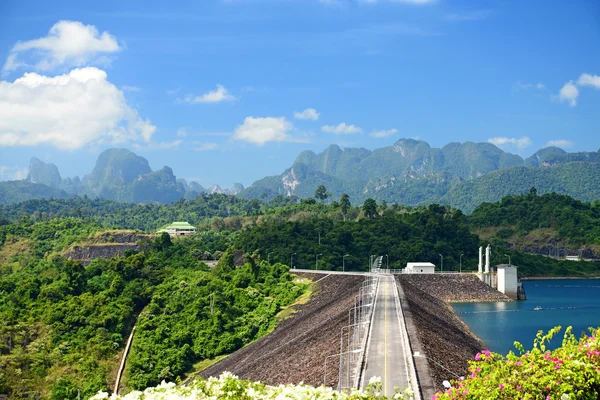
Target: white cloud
x=341, y=129
x=216, y=96
x=158, y=146
x=589, y=80
x=569, y=93
x=206, y=146
x=13, y=173
x=67, y=111
x=562, y=143
x=69, y=43
x=309, y=113
x=520, y=143
x=263, y=130
x=383, y=133
x=468, y=16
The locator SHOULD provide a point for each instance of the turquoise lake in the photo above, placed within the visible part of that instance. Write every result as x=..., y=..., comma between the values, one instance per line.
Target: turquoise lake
x=565, y=302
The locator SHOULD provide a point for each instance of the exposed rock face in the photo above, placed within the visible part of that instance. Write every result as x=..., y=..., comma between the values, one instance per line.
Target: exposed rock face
x=105, y=245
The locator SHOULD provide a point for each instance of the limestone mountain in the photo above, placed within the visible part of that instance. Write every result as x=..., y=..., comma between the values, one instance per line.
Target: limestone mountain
x=411, y=172
x=44, y=173
x=118, y=175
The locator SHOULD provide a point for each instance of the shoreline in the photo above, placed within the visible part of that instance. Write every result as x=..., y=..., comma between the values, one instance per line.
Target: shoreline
x=548, y=278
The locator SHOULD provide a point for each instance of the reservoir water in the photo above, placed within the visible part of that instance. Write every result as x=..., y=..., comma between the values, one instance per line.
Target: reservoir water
x=564, y=302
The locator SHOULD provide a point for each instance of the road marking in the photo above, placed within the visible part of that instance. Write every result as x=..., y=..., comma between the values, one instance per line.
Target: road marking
x=385, y=380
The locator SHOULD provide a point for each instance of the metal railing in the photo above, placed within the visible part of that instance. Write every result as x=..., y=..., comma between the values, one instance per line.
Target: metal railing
x=352, y=345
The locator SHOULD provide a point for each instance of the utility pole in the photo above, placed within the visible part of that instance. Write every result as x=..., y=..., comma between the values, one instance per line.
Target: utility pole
x=343, y=262
x=317, y=260
x=387, y=262
x=291, y=261
x=508, y=259
x=461, y=256
x=442, y=263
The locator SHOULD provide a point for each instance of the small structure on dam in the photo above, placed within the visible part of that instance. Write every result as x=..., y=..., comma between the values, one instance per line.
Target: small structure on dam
x=505, y=279
x=419, y=268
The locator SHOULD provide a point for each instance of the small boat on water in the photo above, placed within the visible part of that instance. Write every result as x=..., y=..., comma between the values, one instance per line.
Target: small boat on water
x=538, y=308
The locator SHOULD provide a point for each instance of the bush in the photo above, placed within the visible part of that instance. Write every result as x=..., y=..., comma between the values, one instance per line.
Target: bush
x=569, y=372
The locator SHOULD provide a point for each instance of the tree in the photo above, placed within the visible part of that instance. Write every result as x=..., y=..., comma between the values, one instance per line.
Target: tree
x=321, y=193
x=345, y=204
x=370, y=208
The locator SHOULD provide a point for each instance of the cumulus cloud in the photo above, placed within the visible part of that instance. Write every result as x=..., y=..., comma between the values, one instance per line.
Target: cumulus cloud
x=341, y=129
x=263, y=130
x=309, y=113
x=562, y=143
x=383, y=133
x=68, y=111
x=520, y=143
x=589, y=80
x=568, y=94
x=215, y=96
x=69, y=43
x=12, y=173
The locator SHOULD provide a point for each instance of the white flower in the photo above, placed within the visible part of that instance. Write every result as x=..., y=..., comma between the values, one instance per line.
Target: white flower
x=564, y=396
x=447, y=384
x=375, y=379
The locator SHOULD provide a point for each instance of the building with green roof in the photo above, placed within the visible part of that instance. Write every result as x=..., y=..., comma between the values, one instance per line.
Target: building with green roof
x=178, y=229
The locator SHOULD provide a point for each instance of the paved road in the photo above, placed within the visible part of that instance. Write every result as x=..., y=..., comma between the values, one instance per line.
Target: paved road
x=386, y=353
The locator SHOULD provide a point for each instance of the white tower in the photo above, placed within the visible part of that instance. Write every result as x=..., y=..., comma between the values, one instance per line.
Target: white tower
x=480, y=265
x=488, y=253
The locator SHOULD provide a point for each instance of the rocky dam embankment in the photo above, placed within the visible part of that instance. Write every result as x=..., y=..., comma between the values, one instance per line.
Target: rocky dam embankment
x=296, y=350
x=447, y=342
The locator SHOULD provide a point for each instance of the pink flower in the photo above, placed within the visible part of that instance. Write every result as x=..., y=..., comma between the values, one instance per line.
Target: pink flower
x=501, y=386
x=518, y=363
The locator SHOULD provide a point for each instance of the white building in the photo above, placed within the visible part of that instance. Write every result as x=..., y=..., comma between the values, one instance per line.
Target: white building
x=178, y=229
x=419, y=268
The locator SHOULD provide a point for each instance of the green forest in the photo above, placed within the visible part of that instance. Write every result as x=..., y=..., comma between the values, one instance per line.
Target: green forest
x=65, y=324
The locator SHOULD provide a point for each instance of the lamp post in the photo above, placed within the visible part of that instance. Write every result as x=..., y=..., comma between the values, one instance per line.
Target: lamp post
x=291, y=260
x=442, y=263
x=506, y=255
x=387, y=262
x=269, y=258
x=317, y=260
x=343, y=262
x=461, y=256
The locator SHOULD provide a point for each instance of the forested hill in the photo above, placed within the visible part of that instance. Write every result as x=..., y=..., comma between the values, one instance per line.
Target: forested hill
x=578, y=179
x=549, y=219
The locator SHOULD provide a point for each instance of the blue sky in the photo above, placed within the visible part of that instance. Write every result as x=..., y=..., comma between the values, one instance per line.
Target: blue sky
x=232, y=90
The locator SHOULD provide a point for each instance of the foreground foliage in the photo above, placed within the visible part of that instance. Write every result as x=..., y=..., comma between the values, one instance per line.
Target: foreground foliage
x=229, y=386
x=569, y=372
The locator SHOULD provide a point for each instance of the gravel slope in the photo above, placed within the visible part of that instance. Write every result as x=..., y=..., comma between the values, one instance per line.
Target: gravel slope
x=295, y=352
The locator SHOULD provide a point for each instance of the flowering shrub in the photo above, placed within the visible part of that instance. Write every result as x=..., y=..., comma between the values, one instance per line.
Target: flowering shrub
x=228, y=386
x=569, y=372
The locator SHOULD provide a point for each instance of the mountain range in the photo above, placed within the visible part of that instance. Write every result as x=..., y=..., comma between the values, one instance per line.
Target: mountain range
x=410, y=172
x=118, y=175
